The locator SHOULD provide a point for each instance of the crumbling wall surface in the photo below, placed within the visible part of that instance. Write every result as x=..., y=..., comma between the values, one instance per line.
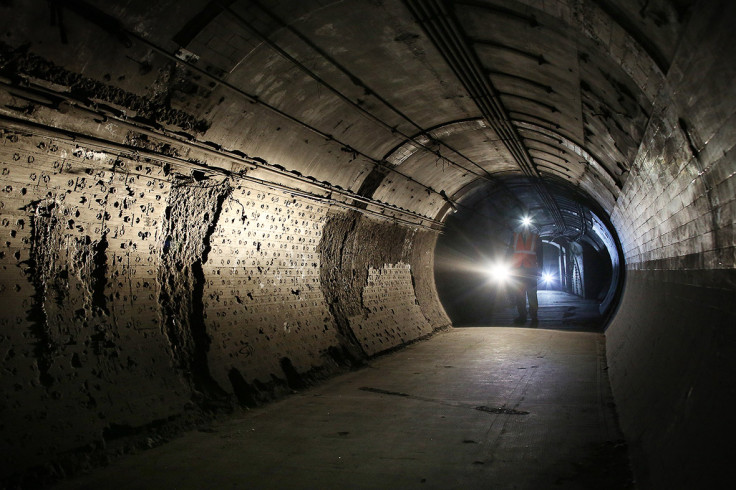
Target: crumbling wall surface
x=368, y=277
x=423, y=277
x=140, y=295
x=270, y=326
x=190, y=219
x=135, y=297
x=81, y=344
x=671, y=347
x=392, y=314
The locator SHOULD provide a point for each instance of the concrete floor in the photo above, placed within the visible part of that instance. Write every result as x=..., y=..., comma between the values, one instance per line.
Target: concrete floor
x=493, y=407
x=557, y=309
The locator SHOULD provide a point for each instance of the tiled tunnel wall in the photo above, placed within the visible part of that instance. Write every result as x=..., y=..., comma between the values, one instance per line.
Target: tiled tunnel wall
x=671, y=344
x=133, y=295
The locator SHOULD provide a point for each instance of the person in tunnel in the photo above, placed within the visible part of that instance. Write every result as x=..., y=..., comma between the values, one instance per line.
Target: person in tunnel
x=526, y=262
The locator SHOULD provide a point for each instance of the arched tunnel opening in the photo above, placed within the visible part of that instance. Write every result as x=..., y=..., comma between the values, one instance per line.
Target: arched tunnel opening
x=581, y=260
x=210, y=205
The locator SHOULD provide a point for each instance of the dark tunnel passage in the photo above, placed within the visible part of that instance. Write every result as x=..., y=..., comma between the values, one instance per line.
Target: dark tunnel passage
x=208, y=205
x=583, y=260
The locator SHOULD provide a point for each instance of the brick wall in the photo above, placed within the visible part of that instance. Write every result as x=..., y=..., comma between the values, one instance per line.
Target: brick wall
x=671, y=345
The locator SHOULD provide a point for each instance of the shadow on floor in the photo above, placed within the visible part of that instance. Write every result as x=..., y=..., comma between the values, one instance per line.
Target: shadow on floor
x=558, y=310
x=471, y=408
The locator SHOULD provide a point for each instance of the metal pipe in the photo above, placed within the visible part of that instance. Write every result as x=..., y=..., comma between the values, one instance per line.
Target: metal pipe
x=35, y=128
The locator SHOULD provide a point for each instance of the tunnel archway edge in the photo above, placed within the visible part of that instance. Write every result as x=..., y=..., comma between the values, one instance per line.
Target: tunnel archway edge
x=100, y=374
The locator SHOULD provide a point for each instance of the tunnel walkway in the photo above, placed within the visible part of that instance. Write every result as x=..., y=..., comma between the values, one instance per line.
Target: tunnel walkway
x=470, y=408
x=557, y=309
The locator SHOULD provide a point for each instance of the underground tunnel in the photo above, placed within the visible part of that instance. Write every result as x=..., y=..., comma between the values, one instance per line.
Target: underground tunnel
x=213, y=206
x=584, y=260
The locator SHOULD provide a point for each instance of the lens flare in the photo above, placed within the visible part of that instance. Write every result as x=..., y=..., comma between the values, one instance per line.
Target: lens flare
x=500, y=272
x=526, y=221
x=547, y=277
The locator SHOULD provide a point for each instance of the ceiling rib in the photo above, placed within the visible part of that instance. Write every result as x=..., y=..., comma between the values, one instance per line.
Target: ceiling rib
x=447, y=37
x=518, y=78
x=355, y=80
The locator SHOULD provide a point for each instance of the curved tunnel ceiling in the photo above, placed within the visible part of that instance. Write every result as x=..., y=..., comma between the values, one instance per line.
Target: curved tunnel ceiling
x=407, y=103
x=405, y=109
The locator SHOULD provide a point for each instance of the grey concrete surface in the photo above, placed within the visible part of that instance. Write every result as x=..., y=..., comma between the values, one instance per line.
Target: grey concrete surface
x=557, y=309
x=492, y=407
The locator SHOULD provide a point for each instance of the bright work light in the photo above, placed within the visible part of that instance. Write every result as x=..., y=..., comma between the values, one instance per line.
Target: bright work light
x=500, y=271
x=547, y=277
x=526, y=221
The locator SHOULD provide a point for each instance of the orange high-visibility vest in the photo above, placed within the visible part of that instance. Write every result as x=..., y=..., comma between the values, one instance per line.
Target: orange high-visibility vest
x=525, y=251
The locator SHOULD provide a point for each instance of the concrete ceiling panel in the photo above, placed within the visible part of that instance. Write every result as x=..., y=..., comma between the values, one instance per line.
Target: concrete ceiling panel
x=330, y=90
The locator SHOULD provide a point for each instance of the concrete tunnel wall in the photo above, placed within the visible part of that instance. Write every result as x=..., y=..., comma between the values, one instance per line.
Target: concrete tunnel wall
x=129, y=291
x=139, y=287
x=672, y=345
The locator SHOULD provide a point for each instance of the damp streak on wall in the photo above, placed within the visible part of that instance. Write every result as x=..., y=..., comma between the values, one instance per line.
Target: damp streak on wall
x=134, y=294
